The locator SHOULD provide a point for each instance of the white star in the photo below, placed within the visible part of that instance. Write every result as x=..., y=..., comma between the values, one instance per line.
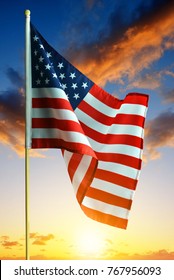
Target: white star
x=41, y=46
x=35, y=52
x=38, y=82
x=62, y=76
x=47, y=81
x=41, y=73
x=35, y=38
x=74, y=86
x=84, y=85
x=54, y=75
x=49, y=54
x=60, y=65
x=72, y=75
x=47, y=66
x=37, y=67
x=64, y=86
x=76, y=96
x=41, y=59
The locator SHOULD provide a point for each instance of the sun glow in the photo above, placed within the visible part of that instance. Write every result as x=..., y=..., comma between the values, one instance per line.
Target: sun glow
x=91, y=244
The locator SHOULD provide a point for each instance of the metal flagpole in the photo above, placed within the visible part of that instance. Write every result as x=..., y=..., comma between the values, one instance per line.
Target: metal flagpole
x=27, y=127
x=27, y=220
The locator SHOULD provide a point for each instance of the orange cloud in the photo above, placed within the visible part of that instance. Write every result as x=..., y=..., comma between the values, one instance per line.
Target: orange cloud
x=157, y=255
x=41, y=239
x=137, y=49
x=11, y=134
x=10, y=244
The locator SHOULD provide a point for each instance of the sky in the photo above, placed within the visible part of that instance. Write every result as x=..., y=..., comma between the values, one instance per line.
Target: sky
x=123, y=46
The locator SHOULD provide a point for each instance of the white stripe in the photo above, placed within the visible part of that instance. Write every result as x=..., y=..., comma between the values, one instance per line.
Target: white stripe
x=99, y=106
x=126, y=129
x=48, y=92
x=115, y=149
x=121, y=169
x=111, y=129
x=133, y=109
x=81, y=172
x=60, y=114
x=105, y=208
x=67, y=157
x=112, y=188
x=69, y=136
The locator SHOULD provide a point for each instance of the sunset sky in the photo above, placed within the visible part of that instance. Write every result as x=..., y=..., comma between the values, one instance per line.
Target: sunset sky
x=123, y=46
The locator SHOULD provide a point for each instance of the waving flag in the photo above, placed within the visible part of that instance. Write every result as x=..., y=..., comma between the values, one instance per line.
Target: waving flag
x=101, y=137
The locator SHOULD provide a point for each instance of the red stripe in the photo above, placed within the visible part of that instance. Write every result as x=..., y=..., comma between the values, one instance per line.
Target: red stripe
x=129, y=119
x=120, y=158
x=54, y=103
x=105, y=218
x=104, y=97
x=109, y=198
x=111, y=101
x=115, y=178
x=73, y=164
x=65, y=125
x=136, y=98
x=39, y=143
x=113, y=138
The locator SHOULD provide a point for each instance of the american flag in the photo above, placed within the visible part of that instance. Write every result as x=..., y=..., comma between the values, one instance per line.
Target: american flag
x=101, y=137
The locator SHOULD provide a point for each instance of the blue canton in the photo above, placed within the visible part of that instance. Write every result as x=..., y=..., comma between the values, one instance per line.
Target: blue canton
x=50, y=69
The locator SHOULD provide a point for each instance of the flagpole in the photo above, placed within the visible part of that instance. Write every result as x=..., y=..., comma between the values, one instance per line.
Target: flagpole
x=27, y=128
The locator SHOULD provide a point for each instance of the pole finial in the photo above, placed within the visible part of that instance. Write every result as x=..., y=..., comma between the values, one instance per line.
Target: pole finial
x=27, y=13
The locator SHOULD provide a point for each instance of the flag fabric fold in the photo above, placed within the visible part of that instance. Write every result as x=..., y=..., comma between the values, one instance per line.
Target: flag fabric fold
x=101, y=137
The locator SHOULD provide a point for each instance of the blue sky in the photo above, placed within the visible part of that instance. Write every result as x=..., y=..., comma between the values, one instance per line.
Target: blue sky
x=123, y=46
